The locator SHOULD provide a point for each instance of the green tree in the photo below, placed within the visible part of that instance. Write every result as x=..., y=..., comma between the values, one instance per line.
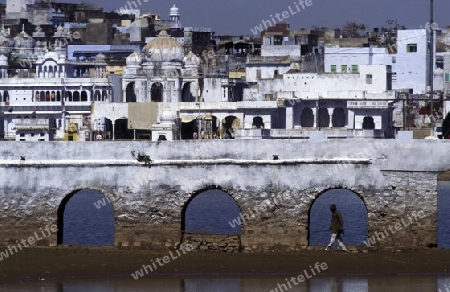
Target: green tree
x=354, y=30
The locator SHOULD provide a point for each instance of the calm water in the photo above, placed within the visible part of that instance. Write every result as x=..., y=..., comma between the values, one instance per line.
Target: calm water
x=264, y=283
x=210, y=212
x=443, y=201
x=84, y=223
x=353, y=211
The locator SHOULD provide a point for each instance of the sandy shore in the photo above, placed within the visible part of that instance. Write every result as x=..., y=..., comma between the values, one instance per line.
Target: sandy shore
x=68, y=262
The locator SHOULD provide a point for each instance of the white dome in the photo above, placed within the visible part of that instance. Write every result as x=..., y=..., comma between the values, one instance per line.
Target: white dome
x=167, y=116
x=191, y=59
x=134, y=59
x=164, y=48
x=51, y=55
x=174, y=11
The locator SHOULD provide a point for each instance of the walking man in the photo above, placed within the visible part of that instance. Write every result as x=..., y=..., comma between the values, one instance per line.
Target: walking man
x=336, y=228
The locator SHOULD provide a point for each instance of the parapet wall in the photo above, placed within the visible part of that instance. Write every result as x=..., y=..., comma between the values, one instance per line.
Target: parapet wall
x=393, y=179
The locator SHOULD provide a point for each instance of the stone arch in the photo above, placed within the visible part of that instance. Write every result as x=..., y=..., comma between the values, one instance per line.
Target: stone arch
x=212, y=223
x=156, y=92
x=186, y=93
x=338, y=118
x=307, y=118
x=107, y=201
x=121, y=130
x=368, y=123
x=352, y=206
x=443, y=209
x=130, y=92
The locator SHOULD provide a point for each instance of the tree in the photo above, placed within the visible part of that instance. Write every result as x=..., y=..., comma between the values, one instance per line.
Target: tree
x=354, y=30
x=388, y=35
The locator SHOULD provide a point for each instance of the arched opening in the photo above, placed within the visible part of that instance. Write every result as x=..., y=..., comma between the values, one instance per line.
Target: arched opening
x=443, y=210
x=156, y=92
x=104, y=95
x=76, y=96
x=338, y=118
x=186, y=94
x=353, y=210
x=84, y=96
x=69, y=96
x=47, y=96
x=324, y=118
x=58, y=96
x=130, y=93
x=229, y=125
x=211, y=218
x=307, y=119
x=189, y=130
x=121, y=131
x=258, y=123
x=368, y=123
x=97, y=95
x=86, y=217
x=53, y=96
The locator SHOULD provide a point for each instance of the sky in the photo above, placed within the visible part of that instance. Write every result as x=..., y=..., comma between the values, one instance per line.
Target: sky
x=238, y=17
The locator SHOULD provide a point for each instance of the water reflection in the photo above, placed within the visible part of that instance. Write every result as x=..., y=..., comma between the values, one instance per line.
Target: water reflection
x=207, y=285
x=338, y=284
x=265, y=283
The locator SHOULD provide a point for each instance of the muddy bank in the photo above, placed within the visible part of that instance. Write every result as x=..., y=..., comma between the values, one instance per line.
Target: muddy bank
x=31, y=264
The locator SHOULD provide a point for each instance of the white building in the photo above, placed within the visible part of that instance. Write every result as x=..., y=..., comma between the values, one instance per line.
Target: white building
x=408, y=60
x=41, y=103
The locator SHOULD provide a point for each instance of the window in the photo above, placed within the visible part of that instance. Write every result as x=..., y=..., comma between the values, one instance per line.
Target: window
x=355, y=69
x=394, y=60
x=411, y=48
x=333, y=68
x=394, y=76
x=447, y=77
x=344, y=68
x=369, y=78
x=258, y=74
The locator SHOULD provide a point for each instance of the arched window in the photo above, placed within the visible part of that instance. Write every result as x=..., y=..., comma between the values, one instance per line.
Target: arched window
x=130, y=94
x=307, y=119
x=338, y=117
x=258, y=123
x=76, y=96
x=368, y=123
x=157, y=92
x=84, y=95
x=186, y=94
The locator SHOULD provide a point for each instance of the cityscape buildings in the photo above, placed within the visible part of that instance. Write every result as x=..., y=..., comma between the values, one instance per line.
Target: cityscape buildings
x=70, y=72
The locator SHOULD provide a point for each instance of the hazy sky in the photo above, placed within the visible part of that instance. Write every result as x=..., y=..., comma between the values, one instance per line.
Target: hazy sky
x=239, y=16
